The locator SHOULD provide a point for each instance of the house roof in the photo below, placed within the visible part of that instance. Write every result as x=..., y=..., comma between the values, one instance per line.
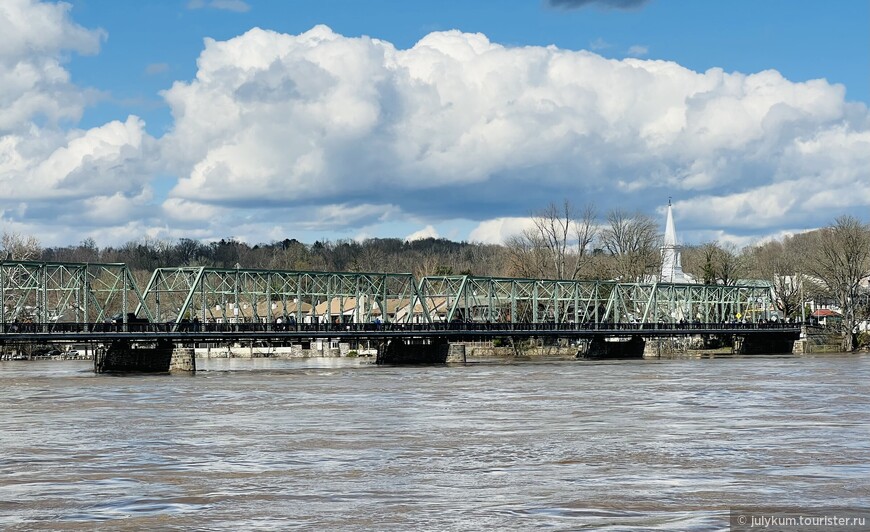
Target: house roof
x=825, y=312
x=279, y=309
x=335, y=306
x=350, y=305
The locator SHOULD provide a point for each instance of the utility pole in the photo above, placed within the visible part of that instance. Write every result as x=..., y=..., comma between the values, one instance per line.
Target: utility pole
x=803, y=301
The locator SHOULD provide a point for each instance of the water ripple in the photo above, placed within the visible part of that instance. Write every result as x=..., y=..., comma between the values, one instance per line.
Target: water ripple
x=343, y=445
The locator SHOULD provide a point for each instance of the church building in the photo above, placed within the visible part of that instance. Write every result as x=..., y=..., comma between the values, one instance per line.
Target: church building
x=672, y=268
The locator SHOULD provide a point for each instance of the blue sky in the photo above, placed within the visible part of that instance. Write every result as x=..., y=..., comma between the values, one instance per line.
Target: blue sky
x=175, y=118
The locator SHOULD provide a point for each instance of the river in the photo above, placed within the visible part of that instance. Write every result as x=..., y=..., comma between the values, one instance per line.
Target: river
x=340, y=444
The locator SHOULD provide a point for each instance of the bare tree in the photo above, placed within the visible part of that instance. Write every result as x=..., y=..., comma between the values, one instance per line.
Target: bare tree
x=730, y=264
x=716, y=263
x=557, y=243
x=632, y=242
x=694, y=262
x=525, y=255
x=425, y=264
x=839, y=260
x=369, y=259
x=779, y=263
x=289, y=255
x=17, y=247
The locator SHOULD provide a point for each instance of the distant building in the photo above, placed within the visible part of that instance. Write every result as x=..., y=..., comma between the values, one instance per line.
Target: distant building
x=672, y=268
x=827, y=317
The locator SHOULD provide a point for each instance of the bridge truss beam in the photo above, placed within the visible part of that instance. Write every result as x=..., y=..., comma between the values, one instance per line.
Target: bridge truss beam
x=52, y=292
x=504, y=300
x=249, y=295
x=47, y=293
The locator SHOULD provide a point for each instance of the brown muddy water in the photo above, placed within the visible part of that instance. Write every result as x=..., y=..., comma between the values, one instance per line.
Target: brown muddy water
x=332, y=444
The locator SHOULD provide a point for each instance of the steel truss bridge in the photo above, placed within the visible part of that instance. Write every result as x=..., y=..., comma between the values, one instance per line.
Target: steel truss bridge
x=90, y=301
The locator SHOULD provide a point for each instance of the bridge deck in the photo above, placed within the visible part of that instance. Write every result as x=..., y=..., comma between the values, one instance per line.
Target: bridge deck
x=217, y=332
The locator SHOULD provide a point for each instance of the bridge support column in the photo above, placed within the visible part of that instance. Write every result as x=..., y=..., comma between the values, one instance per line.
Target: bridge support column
x=615, y=347
x=183, y=360
x=813, y=340
x=396, y=351
x=654, y=348
x=123, y=357
x=456, y=353
x=764, y=343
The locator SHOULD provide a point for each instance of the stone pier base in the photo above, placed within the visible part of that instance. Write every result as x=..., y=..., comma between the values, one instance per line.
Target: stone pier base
x=675, y=346
x=456, y=354
x=816, y=340
x=183, y=360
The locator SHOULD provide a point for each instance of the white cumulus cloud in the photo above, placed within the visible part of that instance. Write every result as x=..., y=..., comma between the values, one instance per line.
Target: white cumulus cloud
x=33, y=80
x=426, y=232
x=460, y=127
x=62, y=181
x=498, y=230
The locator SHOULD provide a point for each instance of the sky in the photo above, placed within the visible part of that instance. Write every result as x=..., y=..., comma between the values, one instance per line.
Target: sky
x=262, y=120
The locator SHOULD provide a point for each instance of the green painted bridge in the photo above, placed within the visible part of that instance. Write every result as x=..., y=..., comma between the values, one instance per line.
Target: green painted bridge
x=54, y=294
x=67, y=302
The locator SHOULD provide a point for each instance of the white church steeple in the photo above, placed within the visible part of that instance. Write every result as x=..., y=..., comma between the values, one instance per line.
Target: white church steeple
x=672, y=268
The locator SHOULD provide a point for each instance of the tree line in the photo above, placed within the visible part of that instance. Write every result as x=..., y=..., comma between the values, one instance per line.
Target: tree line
x=562, y=242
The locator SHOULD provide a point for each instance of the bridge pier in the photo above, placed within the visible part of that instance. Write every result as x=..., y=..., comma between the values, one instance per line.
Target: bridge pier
x=656, y=347
x=817, y=340
x=121, y=356
x=764, y=343
x=615, y=347
x=397, y=351
x=456, y=353
x=676, y=346
x=183, y=360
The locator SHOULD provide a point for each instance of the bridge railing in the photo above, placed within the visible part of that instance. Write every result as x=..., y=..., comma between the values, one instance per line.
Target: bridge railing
x=296, y=329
